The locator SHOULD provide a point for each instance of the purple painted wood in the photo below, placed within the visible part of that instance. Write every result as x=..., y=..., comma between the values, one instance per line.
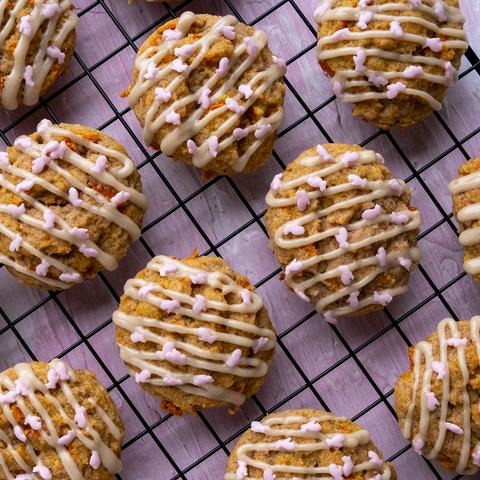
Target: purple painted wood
x=312, y=344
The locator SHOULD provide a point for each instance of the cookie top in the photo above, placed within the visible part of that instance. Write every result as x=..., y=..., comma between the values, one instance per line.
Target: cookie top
x=208, y=91
x=194, y=333
x=37, y=40
x=70, y=205
x=392, y=60
x=57, y=423
x=465, y=192
x=343, y=230
x=302, y=444
x=437, y=399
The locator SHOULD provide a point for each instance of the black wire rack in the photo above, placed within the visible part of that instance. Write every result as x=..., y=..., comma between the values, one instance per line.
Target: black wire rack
x=11, y=330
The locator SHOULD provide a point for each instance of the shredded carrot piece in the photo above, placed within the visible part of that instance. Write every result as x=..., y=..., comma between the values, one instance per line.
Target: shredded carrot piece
x=194, y=253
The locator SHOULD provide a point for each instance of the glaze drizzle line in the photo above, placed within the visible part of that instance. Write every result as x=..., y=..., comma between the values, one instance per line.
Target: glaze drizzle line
x=292, y=234
x=188, y=58
x=291, y=429
x=361, y=76
x=46, y=155
x=183, y=353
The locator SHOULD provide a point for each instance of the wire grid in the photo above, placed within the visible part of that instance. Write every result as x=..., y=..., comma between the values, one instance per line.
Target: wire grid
x=85, y=340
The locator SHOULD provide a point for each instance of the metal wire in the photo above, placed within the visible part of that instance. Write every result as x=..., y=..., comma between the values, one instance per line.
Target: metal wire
x=255, y=219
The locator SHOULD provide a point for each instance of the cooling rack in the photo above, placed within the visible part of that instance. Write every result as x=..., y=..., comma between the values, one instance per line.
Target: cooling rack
x=349, y=368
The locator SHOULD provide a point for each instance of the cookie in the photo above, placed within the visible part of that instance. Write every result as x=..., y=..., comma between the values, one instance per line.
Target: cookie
x=392, y=60
x=194, y=333
x=208, y=91
x=70, y=205
x=465, y=192
x=343, y=230
x=301, y=444
x=37, y=41
x=57, y=423
x=437, y=399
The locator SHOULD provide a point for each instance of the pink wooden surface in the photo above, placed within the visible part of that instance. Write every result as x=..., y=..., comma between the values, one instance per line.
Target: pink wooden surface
x=315, y=347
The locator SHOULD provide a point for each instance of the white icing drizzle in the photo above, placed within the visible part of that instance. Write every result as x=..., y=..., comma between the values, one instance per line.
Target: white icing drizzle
x=218, y=85
x=470, y=213
x=361, y=76
x=423, y=357
x=194, y=356
x=59, y=228
x=62, y=22
x=372, y=192
x=28, y=386
x=288, y=427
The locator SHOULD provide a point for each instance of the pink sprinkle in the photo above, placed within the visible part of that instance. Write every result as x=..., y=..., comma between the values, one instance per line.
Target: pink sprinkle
x=301, y=295
x=162, y=95
x=317, y=182
x=450, y=71
x=79, y=233
x=339, y=34
x=395, y=89
x=43, y=471
x=240, y=133
x=200, y=304
x=364, y=19
x=347, y=465
x=50, y=9
x=228, y=31
x=337, y=89
x=88, y=252
x=336, y=471
x=359, y=60
x=21, y=388
x=381, y=257
x=335, y=441
x=233, y=106
x=39, y=164
x=242, y=470
x=16, y=211
x=204, y=98
x=286, y=444
x=100, y=165
x=8, y=398
x=276, y=182
x=476, y=456
x=279, y=62
x=357, y=181
x=212, y=143
x=170, y=306
x=375, y=458
x=81, y=417
x=440, y=368
x=323, y=153
x=200, y=380
x=457, y=342
x=413, y=71
x=151, y=72
x=434, y=44
x=95, y=461
x=396, y=29
x=33, y=421
x=55, y=149
x=171, y=354
x=172, y=381
x=145, y=290
x=415, y=3
x=260, y=344
x=26, y=25
x=70, y=277
x=258, y=427
x=17, y=430
x=172, y=117
x=178, y=66
x=345, y=274
x=432, y=402
x=263, y=130
x=245, y=90
x=4, y=160
x=223, y=67
x=406, y=263
x=246, y=295
x=48, y=219
x=192, y=147
x=119, y=198
x=342, y=237
x=42, y=268
x=199, y=278
x=349, y=159
x=143, y=376
x=28, y=76
x=396, y=187
x=73, y=197
x=234, y=358
x=15, y=243
x=303, y=201
x=56, y=54
x=184, y=51
x=169, y=267
x=171, y=35
x=294, y=228
x=252, y=49
x=62, y=371
x=353, y=299
x=24, y=186
x=311, y=426
x=372, y=213
x=268, y=474
x=418, y=444
x=399, y=218
x=137, y=337
x=295, y=266
x=377, y=79
x=453, y=428
x=67, y=439
x=439, y=10
x=382, y=298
